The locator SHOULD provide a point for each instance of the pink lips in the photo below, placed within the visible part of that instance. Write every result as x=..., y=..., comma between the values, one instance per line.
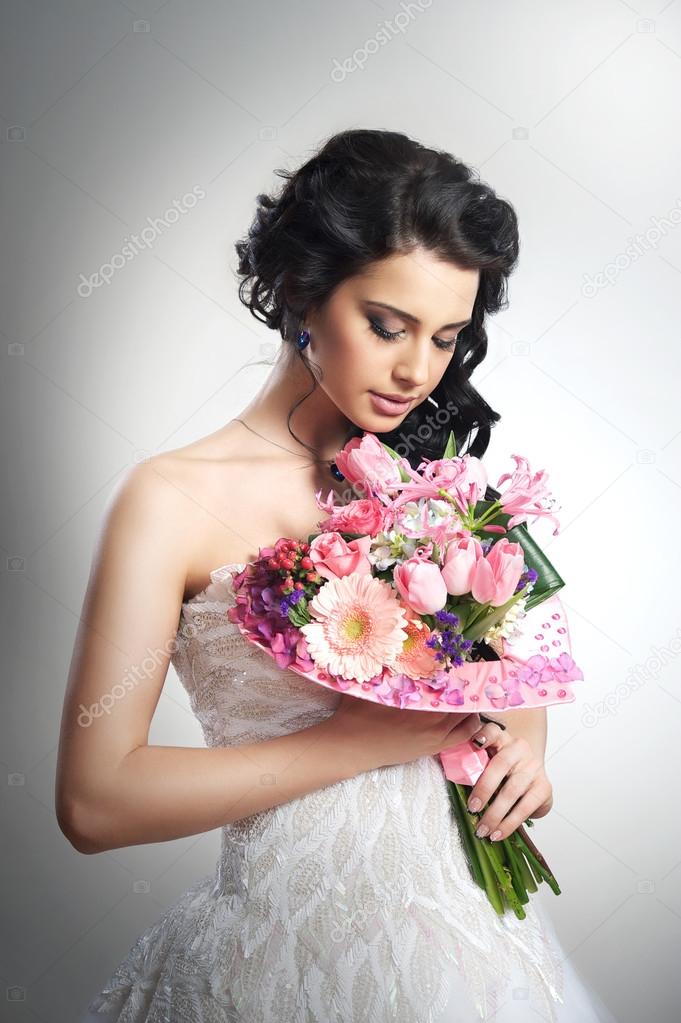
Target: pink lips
x=388, y=406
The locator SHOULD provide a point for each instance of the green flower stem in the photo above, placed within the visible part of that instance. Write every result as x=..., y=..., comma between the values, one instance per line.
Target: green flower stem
x=540, y=866
x=458, y=800
x=517, y=876
x=482, y=873
x=503, y=876
x=529, y=881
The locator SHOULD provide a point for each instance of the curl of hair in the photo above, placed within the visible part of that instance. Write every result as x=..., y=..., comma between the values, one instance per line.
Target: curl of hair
x=365, y=195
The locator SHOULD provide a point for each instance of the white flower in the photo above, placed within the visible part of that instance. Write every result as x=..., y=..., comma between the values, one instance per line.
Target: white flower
x=508, y=627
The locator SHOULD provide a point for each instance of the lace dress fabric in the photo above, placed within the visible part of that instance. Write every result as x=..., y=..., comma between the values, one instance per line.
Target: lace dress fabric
x=352, y=904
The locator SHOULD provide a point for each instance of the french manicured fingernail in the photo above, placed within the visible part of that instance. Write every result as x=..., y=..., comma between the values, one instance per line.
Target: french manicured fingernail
x=482, y=831
x=474, y=805
x=495, y=836
x=481, y=741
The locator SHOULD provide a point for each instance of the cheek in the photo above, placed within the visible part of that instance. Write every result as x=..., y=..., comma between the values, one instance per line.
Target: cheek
x=350, y=357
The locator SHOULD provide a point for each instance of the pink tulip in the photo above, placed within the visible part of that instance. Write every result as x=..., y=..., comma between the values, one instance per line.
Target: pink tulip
x=364, y=460
x=421, y=586
x=497, y=575
x=461, y=560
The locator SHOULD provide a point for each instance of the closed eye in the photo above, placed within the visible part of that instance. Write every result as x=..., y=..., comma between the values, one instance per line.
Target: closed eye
x=387, y=335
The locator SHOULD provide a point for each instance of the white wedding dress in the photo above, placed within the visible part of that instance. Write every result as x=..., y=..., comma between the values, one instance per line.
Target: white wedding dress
x=353, y=904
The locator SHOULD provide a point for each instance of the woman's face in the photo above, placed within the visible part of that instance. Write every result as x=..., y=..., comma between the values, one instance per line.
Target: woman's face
x=357, y=360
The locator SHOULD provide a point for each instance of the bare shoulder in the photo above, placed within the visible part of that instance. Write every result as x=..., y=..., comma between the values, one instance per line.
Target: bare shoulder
x=186, y=480
x=194, y=488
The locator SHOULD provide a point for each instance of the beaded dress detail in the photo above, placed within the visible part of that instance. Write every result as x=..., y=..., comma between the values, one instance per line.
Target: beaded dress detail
x=352, y=904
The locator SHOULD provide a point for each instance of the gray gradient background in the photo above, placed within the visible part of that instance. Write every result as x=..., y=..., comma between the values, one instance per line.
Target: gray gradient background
x=109, y=112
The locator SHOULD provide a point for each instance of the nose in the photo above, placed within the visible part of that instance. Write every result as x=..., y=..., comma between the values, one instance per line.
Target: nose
x=414, y=361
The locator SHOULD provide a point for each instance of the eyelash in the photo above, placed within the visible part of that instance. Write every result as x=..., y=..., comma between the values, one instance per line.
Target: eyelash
x=444, y=346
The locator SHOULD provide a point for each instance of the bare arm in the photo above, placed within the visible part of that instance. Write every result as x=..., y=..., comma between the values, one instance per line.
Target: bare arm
x=528, y=723
x=113, y=789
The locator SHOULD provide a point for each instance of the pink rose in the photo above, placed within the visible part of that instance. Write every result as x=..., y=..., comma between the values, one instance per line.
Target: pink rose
x=497, y=575
x=460, y=564
x=333, y=557
x=421, y=586
x=365, y=459
x=365, y=516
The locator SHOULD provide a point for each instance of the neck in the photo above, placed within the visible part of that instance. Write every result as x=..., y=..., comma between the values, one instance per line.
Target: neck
x=316, y=421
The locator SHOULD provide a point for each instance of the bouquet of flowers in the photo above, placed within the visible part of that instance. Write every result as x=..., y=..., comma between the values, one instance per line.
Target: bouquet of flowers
x=423, y=594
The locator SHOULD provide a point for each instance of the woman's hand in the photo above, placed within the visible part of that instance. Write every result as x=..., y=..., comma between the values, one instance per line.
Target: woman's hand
x=524, y=789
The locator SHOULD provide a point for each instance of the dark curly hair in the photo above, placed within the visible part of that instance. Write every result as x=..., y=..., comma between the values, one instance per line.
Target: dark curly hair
x=366, y=195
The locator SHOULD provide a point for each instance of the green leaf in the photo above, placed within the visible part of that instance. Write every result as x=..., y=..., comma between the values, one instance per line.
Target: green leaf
x=450, y=449
x=299, y=614
x=398, y=457
x=480, y=626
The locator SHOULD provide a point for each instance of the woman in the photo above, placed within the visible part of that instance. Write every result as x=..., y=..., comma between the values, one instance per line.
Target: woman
x=342, y=892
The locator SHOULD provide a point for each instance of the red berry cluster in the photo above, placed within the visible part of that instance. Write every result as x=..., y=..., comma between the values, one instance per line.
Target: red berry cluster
x=291, y=559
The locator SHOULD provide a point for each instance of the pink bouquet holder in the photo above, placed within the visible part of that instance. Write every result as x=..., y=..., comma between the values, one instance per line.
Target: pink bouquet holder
x=534, y=670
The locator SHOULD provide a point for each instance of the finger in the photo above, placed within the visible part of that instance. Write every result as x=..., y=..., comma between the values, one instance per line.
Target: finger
x=495, y=771
x=517, y=815
x=491, y=733
x=513, y=790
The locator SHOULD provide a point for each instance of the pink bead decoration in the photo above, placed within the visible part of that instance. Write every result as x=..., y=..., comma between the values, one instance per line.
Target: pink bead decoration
x=561, y=692
x=539, y=636
x=562, y=630
x=365, y=686
x=474, y=696
x=555, y=642
x=323, y=676
x=435, y=703
x=555, y=617
x=542, y=692
x=493, y=678
x=546, y=625
x=544, y=647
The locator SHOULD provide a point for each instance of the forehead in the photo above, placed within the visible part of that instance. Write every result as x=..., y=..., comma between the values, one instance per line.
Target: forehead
x=419, y=283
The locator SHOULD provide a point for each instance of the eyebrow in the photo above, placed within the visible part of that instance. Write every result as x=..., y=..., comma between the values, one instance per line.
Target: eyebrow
x=410, y=316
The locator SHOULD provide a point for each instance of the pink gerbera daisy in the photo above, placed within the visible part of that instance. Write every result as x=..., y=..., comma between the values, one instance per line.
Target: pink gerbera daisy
x=360, y=627
x=416, y=660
